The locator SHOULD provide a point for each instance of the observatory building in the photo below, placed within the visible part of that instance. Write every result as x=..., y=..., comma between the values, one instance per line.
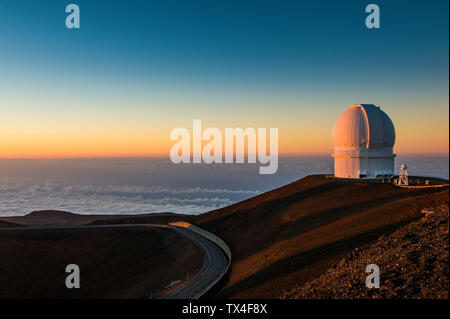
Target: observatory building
x=363, y=138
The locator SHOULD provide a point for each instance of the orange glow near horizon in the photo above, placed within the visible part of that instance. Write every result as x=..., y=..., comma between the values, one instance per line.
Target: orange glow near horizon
x=159, y=145
x=115, y=132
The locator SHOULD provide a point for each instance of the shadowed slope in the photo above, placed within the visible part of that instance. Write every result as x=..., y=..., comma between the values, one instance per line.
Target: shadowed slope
x=61, y=218
x=8, y=224
x=114, y=262
x=291, y=234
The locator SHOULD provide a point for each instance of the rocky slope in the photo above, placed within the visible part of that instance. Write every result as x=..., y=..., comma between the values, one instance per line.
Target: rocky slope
x=413, y=263
x=291, y=235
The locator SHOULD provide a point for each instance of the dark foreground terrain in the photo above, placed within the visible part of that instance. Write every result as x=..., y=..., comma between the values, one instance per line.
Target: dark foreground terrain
x=8, y=224
x=279, y=240
x=413, y=263
x=62, y=218
x=291, y=235
x=286, y=237
x=114, y=263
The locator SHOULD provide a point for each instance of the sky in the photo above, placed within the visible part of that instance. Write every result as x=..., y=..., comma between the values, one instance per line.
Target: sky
x=135, y=70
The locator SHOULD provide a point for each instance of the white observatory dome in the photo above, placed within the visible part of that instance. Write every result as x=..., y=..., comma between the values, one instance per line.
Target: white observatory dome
x=364, y=126
x=363, y=138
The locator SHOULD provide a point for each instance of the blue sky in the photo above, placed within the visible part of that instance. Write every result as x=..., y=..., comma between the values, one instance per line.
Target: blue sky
x=207, y=57
x=248, y=43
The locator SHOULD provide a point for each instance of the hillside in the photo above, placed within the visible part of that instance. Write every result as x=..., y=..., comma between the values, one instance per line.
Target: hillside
x=50, y=218
x=61, y=218
x=284, y=238
x=8, y=224
x=288, y=236
x=413, y=263
x=114, y=263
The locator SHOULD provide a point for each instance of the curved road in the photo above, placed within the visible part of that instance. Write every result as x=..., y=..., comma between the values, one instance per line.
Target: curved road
x=213, y=268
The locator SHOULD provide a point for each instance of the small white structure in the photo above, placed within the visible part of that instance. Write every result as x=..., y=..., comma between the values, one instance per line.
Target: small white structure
x=403, y=177
x=364, y=138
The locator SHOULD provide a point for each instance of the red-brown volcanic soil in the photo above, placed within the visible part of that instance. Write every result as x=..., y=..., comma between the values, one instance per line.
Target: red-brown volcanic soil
x=114, y=263
x=279, y=240
x=413, y=263
x=288, y=236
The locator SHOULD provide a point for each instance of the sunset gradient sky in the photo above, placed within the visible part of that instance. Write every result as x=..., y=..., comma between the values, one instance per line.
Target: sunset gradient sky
x=137, y=69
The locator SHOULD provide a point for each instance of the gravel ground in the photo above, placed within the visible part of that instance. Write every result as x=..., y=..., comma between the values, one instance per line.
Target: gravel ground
x=413, y=263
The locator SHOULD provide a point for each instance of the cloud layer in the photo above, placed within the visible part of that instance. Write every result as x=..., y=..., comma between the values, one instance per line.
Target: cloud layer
x=22, y=197
x=134, y=186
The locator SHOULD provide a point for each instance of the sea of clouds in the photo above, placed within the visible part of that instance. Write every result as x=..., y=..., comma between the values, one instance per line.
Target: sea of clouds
x=146, y=185
x=18, y=197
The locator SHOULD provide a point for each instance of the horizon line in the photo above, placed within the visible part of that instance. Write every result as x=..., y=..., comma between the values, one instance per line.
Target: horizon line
x=157, y=156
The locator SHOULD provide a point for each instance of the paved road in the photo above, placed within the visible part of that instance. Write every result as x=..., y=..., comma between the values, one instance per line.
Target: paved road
x=213, y=268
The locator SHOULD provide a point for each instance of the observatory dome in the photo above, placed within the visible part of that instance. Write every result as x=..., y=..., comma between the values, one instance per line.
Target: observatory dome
x=364, y=126
x=364, y=138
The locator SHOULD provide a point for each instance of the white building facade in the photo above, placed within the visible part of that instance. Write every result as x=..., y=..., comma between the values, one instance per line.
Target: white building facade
x=364, y=138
